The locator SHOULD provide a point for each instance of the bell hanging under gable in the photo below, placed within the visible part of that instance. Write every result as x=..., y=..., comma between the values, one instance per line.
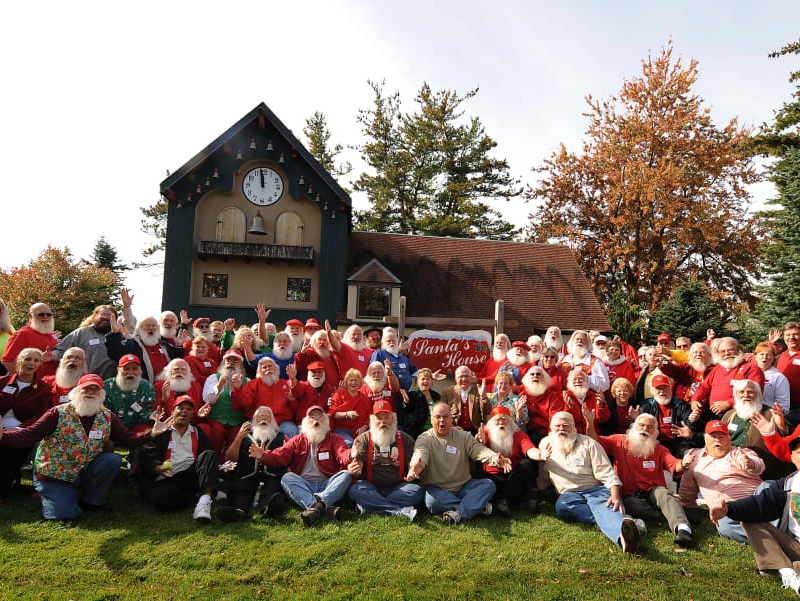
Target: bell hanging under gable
x=258, y=228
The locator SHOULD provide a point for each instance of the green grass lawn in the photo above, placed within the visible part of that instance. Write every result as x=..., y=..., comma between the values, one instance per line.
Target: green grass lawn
x=134, y=553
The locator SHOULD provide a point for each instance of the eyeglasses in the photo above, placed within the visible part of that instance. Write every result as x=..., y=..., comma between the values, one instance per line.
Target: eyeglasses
x=44, y=315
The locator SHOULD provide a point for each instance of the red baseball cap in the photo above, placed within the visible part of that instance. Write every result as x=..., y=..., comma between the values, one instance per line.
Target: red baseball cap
x=233, y=353
x=315, y=365
x=129, y=359
x=314, y=408
x=664, y=338
x=294, y=322
x=90, y=380
x=717, y=426
x=180, y=400
x=312, y=324
x=521, y=344
x=379, y=406
x=659, y=380
x=200, y=320
x=500, y=410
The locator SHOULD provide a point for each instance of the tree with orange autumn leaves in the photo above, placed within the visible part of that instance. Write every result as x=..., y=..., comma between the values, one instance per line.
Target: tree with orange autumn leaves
x=658, y=195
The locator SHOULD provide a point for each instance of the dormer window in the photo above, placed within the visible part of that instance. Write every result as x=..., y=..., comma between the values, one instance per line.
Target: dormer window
x=373, y=292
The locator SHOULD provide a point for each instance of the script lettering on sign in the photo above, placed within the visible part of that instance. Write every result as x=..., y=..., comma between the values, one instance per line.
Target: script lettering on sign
x=448, y=350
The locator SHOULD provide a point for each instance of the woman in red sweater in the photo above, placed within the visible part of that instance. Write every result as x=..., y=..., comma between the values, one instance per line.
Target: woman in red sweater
x=201, y=364
x=350, y=408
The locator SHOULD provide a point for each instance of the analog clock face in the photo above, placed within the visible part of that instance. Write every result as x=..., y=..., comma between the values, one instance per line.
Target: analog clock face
x=262, y=186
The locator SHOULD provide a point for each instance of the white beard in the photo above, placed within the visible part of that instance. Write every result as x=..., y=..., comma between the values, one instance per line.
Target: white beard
x=46, y=327
x=282, y=354
x=383, y=437
x=356, y=346
x=579, y=350
x=148, y=339
x=375, y=385
x=179, y=384
x=698, y=365
x=129, y=383
x=639, y=447
x=316, y=382
x=746, y=410
x=499, y=354
x=392, y=349
x=733, y=362
x=557, y=342
x=563, y=444
x=501, y=439
x=323, y=353
x=297, y=342
x=315, y=435
x=168, y=333
x=516, y=359
x=86, y=407
x=580, y=392
x=534, y=388
x=270, y=379
x=68, y=377
x=265, y=433
x=224, y=370
x=534, y=357
x=663, y=401
x=618, y=361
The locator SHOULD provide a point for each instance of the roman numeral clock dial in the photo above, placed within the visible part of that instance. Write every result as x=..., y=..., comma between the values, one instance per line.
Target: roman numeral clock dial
x=262, y=186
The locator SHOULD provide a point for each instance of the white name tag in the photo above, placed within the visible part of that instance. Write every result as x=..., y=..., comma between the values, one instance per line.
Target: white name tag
x=207, y=363
x=136, y=407
x=161, y=350
x=360, y=358
x=796, y=362
x=54, y=336
x=63, y=398
x=94, y=342
x=323, y=456
x=649, y=465
x=385, y=449
x=387, y=393
x=171, y=444
x=450, y=450
x=578, y=461
x=733, y=427
x=95, y=434
x=9, y=390
x=668, y=420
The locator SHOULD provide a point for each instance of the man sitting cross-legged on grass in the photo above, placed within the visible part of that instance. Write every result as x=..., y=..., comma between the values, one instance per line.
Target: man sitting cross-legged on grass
x=179, y=465
x=381, y=457
x=318, y=459
x=441, y=458
x=261, y=431
x=71, y=455
x=640, y=461
x=588, y=487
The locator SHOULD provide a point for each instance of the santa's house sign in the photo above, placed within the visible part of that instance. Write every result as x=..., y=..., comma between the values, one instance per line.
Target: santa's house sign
x=449, y=350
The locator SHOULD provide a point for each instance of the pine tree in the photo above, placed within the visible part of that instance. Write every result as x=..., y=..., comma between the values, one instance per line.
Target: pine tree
x=690, y=312
x=319, y=140
x=105, y=255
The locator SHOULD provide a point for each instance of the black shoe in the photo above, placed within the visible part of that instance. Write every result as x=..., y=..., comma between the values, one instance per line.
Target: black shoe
x=629, y=536
x=337, y=513
x=311, y=515
x=89, y=507
x=502, y=508
x=683, y=538
x=532, y=505
x=230, y=514
x=271, y=506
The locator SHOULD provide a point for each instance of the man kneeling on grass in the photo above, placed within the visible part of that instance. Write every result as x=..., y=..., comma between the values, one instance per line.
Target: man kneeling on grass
x=588, y=487
x=441, y=459
x=180, y=464
x=71, y=456
x=318, y=460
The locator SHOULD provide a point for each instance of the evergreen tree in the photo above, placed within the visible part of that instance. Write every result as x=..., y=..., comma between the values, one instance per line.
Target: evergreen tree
x=625, y=319
x=690, y=312
x=154, y=224
x=319, y=140
x=105, y=255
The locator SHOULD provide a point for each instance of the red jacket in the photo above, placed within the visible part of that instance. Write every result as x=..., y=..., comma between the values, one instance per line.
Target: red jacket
x=621, y=370
x=257, y=394
x=195, y=391
x=717, y=384
x=332, y=454
x=29, y=403
x=595, y=402
x=787, y=366
x=214, y=352
x=519, y=448
x=201, y=369
x=59, y=394
x=333, y=375
x=541, y=409
x=342, y=401
x=558, y=379
x=686, y=378
x=307, y=396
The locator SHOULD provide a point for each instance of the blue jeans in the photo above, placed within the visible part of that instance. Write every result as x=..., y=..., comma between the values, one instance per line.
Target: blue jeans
x=305, y=493
x=589, y=507
x=469, y=501
x=60, y=498
x=347, y=435
x=733, y=530
x=289, y=429
x=387, y=501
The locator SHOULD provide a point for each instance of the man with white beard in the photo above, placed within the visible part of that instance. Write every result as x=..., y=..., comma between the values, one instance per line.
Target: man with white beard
x=249, y=474
x=224, y=419
x=679, y=428
x=580, y=355
x=541, y=402
x=716, y=390
x=553, y=339
x=688, y=376
x=578, y=395
x=381, y=458
x=536, y=345
x=129, y=396
x=640, y=462
x=39, y=334
x=66, y=463
x=294, y=328
x=587, y=485
x=502, y=344
x=352, y=351
x=316, y=391
x=267, y=389
x=70, y=369
x=401, y=365
x=317, y=459
x=380, y=384
x=176, y=380
x=281, y=354
x=91, y=337
x=319, y=350
x=146, y=343
x=502, y=435
x=517, y=362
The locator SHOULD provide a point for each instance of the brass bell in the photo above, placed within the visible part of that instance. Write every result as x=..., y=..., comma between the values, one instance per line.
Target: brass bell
x=258, y=228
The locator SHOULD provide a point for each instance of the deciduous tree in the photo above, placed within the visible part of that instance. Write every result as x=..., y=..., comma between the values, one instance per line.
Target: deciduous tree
x=658, y=195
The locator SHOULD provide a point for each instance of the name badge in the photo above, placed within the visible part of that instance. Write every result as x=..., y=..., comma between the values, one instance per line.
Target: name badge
x=63, y=398
x=733, y=427
x=94, y=342
x=387, y=393
x=323, y=456
x=54, y=336
x=385, y=449
x=95, y=435
x=161, y=350
x=649, y=465
x=578, y=461
x=207, y=363
x=136, y=407
x=360, y=358
x=450, y=450
x=9, y=390
x=668, y=420
x=796, y=362
x=171, y=444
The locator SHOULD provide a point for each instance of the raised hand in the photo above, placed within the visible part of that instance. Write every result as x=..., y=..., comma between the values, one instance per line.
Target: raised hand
x=587, y=414
x=165, y=391
x=257, y=451
x=245, y=429
x=764, y=425
x=439, y=375
x=414, y=470
x=262, y=312
x=682, y=431
x=633, y=413
x=183, y=337
x=404, y=394
x=229, y=324
x=567, y=399
x=388, y=365
x=115, y=327
x=775, y=336
x=236, y=381
x=185, y=319
x=204, y=410
x=710, y=334
x=161, y=425
x=546, y=450
x=126, y=296
x=223, y=379
x=405, y=345
x=688, y=457
x=778, y=417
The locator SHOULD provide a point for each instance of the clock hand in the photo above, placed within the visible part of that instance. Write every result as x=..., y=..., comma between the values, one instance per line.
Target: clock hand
x=261, y=173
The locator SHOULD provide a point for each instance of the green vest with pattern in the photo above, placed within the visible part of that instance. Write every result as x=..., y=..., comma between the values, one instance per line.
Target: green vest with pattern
x=222, y=410
x=69, y=449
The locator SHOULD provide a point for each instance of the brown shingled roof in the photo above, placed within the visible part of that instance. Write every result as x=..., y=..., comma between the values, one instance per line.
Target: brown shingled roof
x=541, y=284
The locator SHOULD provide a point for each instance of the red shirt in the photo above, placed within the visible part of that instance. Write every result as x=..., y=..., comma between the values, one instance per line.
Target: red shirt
x=308, y=396
x=686, y=378
x=256, y=393
x=382, y=395
x=332, y=454
x=343, y=401
x=621, y=370
x=201, y=368
x=622, y=418
x=558, y=379
x=214, y=352
x=27, y=337
x=59, y=394
x=519, y=449
x=717, y=384
x=601, y=411
x=158, y=358
x=541, y=409
x=195, y=391
x=637, y=473
x=788, y=365
x=665, y=422
x=350, y=359
x=29, y=403
x=489, y=371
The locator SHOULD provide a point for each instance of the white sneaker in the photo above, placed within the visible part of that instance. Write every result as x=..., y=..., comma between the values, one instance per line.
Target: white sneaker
x=361, y=510
x=409, y=512
x=221, y=496
x=202, y=511
x=640, y=525
x=791, y=581
x=487, y=510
